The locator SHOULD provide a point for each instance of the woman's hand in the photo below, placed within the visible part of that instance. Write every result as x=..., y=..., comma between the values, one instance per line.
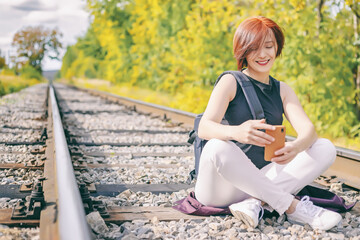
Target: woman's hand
x=286, y=154
x=249, y=133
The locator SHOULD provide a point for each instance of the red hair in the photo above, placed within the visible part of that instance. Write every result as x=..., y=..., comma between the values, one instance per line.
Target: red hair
x=251, y=33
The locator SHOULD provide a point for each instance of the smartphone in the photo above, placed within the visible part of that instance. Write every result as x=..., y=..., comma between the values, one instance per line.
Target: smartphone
x=279, y=135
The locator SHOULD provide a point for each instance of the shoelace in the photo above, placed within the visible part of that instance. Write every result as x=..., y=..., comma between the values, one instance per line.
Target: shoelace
x=308, y=207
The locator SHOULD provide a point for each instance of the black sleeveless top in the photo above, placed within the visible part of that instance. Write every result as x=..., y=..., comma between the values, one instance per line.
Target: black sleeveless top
x=238, y=112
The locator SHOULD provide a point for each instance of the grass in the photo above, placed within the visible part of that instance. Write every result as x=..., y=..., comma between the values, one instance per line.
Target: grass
x=10, y=84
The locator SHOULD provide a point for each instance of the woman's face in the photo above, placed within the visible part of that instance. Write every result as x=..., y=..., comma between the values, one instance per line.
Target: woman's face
x=262, y=59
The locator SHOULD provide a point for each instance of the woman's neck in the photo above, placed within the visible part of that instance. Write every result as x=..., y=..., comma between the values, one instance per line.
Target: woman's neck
x=259, y=76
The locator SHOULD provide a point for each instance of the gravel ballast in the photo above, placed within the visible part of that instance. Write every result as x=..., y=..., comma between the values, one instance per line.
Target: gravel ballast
x=22, y=117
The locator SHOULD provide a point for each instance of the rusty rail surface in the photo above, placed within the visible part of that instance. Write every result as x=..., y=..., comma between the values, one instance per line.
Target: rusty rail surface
x=64, y=217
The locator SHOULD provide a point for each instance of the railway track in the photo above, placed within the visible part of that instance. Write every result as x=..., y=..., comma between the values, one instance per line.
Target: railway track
x=130, y=161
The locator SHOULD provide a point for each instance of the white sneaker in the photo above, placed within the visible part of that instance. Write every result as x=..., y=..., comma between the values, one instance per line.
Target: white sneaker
x=316, y=217
x=248, y=211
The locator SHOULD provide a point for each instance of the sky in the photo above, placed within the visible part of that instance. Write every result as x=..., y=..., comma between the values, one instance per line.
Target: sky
x=69, y=16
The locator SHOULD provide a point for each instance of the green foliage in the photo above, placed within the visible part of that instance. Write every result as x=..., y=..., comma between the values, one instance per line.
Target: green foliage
x=69, y=57
x=2, y=89
x=318, y=65
x=2, y=62
x=34, y=43
x=30, y=72
x=180, y=47
x=11, y=83
x=8, y=72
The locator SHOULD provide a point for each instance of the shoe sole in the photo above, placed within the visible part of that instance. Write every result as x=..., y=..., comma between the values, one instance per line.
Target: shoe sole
x=303, y=224
x=296, y=222
x=243, y=217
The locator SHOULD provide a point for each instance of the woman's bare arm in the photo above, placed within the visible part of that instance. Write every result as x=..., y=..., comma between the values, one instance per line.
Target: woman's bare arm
x=303, y=126
x=223, y=93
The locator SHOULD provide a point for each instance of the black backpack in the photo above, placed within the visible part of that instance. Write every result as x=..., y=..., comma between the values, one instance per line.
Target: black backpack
x=255, y=108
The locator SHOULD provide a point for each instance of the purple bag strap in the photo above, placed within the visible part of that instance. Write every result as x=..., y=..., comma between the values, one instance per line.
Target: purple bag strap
x=326, y=199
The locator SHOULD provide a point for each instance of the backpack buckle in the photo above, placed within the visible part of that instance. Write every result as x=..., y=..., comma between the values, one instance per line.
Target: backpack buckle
x=192, y=136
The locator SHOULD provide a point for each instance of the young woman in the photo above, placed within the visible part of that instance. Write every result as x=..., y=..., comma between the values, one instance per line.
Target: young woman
x=240, y=177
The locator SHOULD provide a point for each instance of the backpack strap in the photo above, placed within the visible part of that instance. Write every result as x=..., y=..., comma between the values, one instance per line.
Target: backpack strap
x=249, y=92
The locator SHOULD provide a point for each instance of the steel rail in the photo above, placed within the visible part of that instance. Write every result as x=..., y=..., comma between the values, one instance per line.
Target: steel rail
x=71, y=213
x=179, y=115
x=346, y=166
x=340, y=152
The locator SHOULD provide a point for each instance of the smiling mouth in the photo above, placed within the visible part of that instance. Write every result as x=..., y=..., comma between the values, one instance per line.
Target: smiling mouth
x=262, y=63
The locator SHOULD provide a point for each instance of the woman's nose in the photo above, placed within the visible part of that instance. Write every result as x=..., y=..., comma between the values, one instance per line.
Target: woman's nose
x=262, y=53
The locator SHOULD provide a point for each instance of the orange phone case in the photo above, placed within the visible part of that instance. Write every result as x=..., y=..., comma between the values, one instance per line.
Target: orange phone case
x=279, y=135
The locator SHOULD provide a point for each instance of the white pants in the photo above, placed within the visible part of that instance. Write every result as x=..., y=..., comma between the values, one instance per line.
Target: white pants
x=226, y=175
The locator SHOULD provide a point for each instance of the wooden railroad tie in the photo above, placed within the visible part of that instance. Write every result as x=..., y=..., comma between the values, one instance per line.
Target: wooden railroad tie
x=118, y=215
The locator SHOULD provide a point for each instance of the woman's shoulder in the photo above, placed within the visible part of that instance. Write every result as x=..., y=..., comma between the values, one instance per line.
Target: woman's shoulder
x=285, y=90
x=279, y=83
x=225, y=75
x=284, y=86
x=227, y=84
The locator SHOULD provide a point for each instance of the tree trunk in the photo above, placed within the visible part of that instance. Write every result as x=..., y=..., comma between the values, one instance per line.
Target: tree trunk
x=320, y=4
x=357, y=68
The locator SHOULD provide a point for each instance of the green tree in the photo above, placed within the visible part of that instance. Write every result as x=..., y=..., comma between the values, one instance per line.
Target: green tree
x=355, y=8
x=29, y=72
x=2, y=61
x=34, y=43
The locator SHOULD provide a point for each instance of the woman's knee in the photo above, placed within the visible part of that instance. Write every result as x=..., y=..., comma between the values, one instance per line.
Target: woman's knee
x=215, y=146
x=219, y=152
x=211, y=149
x=325, y=151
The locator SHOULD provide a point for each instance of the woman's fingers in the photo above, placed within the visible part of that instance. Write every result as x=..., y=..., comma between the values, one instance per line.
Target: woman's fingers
x=279, y=159
x=281, y=151
x=260, y=124
x=259, y=140
x=255, y=134
x=285, y=154
x=289, y=148
x=260, y=134
x=283, y=159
